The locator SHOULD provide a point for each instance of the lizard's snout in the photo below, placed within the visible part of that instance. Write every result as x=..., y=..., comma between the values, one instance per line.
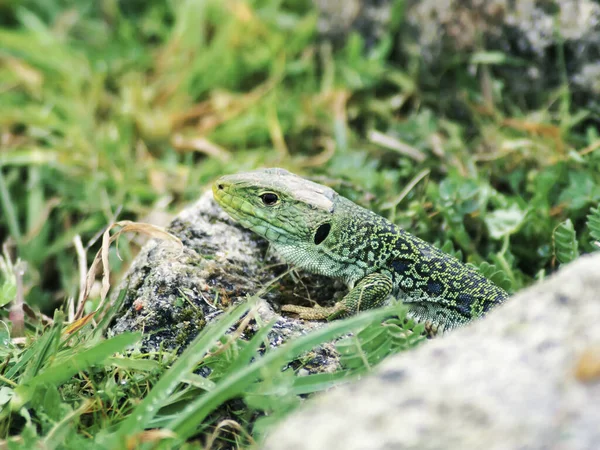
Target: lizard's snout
x=219, y=187
x=220, y=184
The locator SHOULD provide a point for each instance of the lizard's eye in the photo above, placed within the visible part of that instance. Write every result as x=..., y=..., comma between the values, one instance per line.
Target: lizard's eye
x=269, y=199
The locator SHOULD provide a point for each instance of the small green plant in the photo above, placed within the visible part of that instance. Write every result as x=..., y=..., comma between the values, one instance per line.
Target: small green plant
x=566, y=246
x=362, y=351
x=593, y=224
x=565, y=242
x=497, y=275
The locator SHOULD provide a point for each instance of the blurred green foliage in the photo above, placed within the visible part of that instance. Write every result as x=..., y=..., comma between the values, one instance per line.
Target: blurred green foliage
x=113, y=109
x=118, y=109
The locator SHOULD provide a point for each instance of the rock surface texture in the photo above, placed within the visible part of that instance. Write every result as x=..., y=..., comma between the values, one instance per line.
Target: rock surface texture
x=529, y=46
x=170, y=295
x=529, y=39
x=338, y=19
x=526, y=377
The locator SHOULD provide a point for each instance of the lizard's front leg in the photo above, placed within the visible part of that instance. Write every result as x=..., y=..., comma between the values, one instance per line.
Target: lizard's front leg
x=369, y=293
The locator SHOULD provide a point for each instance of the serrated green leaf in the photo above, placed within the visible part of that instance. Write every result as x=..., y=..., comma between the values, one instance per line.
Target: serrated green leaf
x=448, y=248
x=377, y=341
x=593, y=223
x=565, y=242
x=495, y=275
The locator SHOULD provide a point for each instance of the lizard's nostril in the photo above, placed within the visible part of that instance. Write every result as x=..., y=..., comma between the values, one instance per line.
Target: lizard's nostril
x=220, y=187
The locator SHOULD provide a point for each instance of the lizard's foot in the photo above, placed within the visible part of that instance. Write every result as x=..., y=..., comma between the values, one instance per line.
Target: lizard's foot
x=316, y=312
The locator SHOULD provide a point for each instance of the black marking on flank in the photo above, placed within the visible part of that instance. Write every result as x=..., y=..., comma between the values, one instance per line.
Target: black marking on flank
x=465, y=298
x=322, y=233
x=434, y=288
x=400, y=265
x=463, y=307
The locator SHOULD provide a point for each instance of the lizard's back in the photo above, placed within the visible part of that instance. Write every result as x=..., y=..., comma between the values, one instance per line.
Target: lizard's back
x=432, y=282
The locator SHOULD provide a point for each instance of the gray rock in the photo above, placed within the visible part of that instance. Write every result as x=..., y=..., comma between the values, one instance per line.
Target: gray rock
x=526, y=377
x=532, y=34
x=171, y=295
x=544, y=43
x=338, y=19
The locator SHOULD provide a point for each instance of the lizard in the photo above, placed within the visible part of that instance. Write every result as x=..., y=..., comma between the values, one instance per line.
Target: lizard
x=314, y=228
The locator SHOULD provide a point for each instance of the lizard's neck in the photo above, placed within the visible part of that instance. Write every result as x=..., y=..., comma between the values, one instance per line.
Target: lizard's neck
x=348, y=252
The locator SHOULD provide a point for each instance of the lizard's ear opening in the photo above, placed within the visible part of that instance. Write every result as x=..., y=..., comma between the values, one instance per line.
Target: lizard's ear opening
x=322, y=233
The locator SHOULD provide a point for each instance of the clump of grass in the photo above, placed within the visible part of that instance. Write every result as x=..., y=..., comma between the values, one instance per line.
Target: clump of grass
x=114, y=111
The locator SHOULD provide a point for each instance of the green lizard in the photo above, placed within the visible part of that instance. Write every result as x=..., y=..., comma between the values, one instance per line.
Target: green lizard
x=313, y=227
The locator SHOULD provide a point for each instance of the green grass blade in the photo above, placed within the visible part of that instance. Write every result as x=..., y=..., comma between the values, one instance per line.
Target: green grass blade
x=251, y=348
x=186, y=423
x=45, y=347
x=64, y=369
x=593, y=223
x=148, y=407
x=9, y=210
x=108, y=312
x=308, y=384
x=143, y=365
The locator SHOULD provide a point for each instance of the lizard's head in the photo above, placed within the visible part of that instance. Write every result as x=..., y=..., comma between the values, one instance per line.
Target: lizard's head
x=278, y=205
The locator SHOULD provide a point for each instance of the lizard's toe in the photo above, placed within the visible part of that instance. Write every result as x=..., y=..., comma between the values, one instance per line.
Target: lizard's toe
x=306, y=313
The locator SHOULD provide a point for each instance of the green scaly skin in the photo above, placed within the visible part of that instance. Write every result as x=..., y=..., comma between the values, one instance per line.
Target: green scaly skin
x=316, y=229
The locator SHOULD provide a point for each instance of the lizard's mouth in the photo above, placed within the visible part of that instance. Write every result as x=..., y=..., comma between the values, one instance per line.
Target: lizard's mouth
x=226, y=200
